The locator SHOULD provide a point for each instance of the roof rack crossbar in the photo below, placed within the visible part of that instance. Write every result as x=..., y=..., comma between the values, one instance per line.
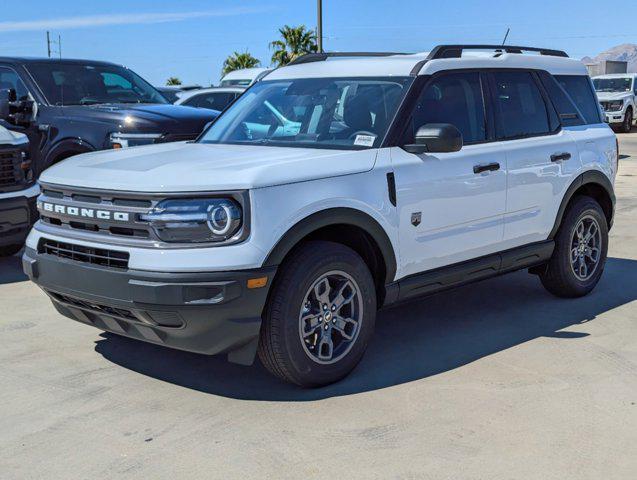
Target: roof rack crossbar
x=320, y=57
x=455, y=51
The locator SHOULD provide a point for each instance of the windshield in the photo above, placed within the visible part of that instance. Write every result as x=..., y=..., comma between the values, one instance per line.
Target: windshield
x=613, y=84
x=90, y=84
x=344, y=113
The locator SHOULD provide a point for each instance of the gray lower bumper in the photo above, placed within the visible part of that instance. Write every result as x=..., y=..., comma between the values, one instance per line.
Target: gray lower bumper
x=209, y=313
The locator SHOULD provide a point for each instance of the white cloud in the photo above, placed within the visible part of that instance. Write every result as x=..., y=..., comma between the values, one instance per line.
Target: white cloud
x=121, y=19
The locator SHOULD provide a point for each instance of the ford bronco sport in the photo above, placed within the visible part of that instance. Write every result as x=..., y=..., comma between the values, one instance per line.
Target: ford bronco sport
x=333, y=187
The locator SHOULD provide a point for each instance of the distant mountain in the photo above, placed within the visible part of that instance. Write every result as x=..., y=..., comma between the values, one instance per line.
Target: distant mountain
x=626, y=53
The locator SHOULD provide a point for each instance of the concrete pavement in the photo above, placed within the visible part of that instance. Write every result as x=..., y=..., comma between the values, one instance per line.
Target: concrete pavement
x=496, y=380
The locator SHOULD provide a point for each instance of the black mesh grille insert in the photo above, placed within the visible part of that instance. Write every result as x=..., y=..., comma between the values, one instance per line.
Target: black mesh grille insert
x=93, y=307
x=9, y=168
x=78, y=253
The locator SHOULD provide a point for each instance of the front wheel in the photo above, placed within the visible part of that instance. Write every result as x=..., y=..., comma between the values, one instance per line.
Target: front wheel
x=580, y=251
x=320, y=316
x=627, y=126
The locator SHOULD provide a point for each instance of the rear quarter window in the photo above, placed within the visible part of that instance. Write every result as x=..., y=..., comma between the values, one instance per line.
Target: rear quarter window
x=580, y=90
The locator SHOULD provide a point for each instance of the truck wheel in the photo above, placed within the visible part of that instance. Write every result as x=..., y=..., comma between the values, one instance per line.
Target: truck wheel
x=627, y=126
x=320, y=315
x=9, y=250
x=580, y=251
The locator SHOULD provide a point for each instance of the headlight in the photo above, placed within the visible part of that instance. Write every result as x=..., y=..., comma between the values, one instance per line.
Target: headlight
x=123, y=140
x=196, y=220
x=615, y=105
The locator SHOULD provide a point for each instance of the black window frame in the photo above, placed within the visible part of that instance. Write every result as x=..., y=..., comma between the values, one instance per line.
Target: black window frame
x=552, y=116
x=397, y=133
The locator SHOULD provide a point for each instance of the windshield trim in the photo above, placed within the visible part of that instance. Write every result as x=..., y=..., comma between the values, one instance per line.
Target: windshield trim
x=36, y=83
x=408, y=85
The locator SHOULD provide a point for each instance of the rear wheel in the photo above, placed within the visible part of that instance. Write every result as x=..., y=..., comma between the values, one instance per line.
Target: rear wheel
x=320, y=315
x=9, y=250
x=580, y=251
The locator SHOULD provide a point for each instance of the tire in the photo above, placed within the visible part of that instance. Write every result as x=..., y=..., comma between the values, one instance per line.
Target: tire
x=296, y=333
x=9, y=250
x=565, y=276
x=627, y=125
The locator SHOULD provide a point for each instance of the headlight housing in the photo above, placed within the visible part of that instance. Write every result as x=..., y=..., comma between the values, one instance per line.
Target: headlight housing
x=615, y=105
x=196, y=220
x=124, y=140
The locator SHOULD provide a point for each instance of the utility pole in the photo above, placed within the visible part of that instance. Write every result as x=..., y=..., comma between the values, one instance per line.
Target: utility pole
x=48, y=43
x=60, y=46
x=319, y=25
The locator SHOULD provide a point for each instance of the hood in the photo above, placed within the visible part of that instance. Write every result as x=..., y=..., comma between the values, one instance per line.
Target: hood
x=609, y=96
x=192, y=167
x=8, y=137
x=140, y=118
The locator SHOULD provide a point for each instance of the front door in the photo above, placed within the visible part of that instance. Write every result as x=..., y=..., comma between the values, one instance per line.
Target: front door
x=451, y=205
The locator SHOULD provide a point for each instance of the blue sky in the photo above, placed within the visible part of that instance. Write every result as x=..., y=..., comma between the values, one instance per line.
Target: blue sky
x=191, y=38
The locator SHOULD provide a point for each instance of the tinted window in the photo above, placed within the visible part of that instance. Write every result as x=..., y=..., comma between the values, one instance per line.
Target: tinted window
x=520, y=106
x=9, y=80
x=570, y=115
x=579, y=89
x=212, y=100
x=89, y=84
x=455, y=99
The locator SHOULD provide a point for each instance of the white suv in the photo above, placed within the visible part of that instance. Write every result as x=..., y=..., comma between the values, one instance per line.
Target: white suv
x=617, y=94
x=331, y=188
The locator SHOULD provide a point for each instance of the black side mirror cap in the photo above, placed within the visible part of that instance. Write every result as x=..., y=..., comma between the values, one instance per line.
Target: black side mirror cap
x=7, y=98
x=436, y=138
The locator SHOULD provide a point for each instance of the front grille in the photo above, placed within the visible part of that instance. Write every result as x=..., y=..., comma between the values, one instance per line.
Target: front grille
x=94, y=307
x=93, y=201
x=10, y=172
x=79, y=253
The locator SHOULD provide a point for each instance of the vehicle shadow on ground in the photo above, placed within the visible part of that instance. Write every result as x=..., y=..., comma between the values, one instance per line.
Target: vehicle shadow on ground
x=412, y=341
x=11, y=269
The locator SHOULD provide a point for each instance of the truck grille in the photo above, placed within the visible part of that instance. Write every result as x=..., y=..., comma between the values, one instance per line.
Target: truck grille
x=10, y=172
x=79, y=253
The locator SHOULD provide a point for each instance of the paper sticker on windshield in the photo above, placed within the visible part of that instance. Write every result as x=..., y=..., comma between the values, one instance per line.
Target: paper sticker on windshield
x=365, y=140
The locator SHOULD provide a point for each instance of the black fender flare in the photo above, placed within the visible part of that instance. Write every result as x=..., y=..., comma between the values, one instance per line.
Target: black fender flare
x=66, y=145
x=589, y=177
x=335, y=216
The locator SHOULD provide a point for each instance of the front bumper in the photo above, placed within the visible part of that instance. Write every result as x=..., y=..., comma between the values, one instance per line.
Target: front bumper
x=208, y=313
x=614, y=117
x=17, y=216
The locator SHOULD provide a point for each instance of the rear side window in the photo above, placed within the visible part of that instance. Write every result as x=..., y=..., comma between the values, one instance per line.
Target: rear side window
x=520, y=107
x=455, y=99
x=581, y=92
x=570, y=115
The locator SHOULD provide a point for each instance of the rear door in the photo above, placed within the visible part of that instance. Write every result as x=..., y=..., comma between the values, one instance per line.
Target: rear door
x=541, y=157
x=450, y=207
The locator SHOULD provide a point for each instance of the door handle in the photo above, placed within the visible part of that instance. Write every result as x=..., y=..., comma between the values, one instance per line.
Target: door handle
x=558, y=157
x=489, y=167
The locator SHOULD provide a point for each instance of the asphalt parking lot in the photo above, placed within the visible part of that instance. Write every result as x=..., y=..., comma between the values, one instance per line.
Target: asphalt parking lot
x=497, y=380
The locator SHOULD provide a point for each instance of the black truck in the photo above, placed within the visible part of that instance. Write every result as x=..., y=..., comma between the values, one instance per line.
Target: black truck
x=67, y=107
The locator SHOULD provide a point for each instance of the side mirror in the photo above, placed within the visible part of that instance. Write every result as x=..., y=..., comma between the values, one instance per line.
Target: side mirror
x=436, y=138
x=12, y=110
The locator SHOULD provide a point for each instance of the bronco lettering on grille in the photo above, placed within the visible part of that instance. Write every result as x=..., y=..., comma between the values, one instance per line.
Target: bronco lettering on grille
x=84, y=212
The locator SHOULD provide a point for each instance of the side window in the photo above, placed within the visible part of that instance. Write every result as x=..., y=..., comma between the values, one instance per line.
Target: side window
x=635, y=85
x=570, y=115
x=215, y=101
x=9, y=80
x=580, y=90
x=520, y=107
x=455, y=99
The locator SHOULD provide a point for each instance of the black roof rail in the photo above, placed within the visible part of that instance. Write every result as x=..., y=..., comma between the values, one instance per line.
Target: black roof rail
x=455, y=51
x=320, y=57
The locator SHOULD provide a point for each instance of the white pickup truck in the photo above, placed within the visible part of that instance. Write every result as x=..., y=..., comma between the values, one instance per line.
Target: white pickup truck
x=617, y=94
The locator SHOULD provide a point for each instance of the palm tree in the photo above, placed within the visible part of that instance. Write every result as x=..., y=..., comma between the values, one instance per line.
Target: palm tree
x=296, y=41
x=237, y=61
x=173, y=81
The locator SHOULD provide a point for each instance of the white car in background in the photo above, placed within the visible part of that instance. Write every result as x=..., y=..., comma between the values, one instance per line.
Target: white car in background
x=215, y=98
x=244, y=77
x=617, y=94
